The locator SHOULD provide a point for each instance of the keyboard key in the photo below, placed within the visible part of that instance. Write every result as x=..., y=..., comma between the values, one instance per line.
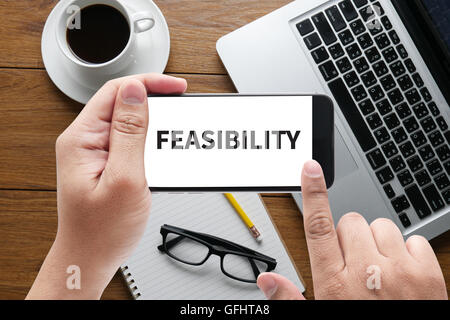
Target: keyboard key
x=368, y=79
x=374, y=121
x=360, y=3
x=366, y=107
x=434, y=167
x=320, y=55
x=441, y=123
x=405, y=178
x=389, y=54
x=407, y=149
x=434, y=109
x=386, y=23
x=367, y=13
x=351, y=79
x=346, y=37
x=373, y=54
x=305, y=27
x=402, y=51
x=428, y=124
x=335, y=18
x=433, y=198
x=442, y=181
x=378, y=8
x=397, y=68
x=446, y=195
x=374, y=26
x=403, y=110
x=385, y=175
x=414, y=163
x=382, y=135
x=328, y=70
x=405, y=82
x=426, y=94
x=390, y=193
x=312, y=41
x=361, y=65
x=336, y=51
x=443, y=152
x=357, y=27
x=353, y=51
x=412, y=96
x=348, y=10
x=376, y=159
x=411, y=124
x=397, y=163
x=426, y=153
x=404, y=220
x=359, y=93
x=420, y=110
x=387, y=82
x=380, y=68
x=447, y=167
x=418, y=138
x=395, y=96
x=384, y=107
x=344, y=65
x=418, y=80
x=422, y=178
x=418, y=201
x=376, y=93
x=400, y=203
x=399, y=135
x=382, y=41
x=351, y=114
x=394, y=37
x=365, y=41
x=325, y=31
x=389, y=149
x=410, y=65
x=391, y=121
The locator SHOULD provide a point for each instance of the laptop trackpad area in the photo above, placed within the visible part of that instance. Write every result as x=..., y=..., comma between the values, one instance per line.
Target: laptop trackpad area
x=344, y=162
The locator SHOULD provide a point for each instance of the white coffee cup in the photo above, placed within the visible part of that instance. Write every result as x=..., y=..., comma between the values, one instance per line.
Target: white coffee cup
x=137, y=21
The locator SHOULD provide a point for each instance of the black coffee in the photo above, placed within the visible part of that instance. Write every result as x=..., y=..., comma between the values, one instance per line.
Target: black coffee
x=104, y=33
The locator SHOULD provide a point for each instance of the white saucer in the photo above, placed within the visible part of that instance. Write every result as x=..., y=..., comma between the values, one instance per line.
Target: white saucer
x=152, y=53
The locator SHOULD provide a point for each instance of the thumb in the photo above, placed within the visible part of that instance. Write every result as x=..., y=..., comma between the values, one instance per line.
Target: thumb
x=128, y=132
x=277, y=287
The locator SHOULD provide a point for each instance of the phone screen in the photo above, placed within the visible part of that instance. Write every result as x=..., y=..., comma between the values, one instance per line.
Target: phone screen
x=228, y=141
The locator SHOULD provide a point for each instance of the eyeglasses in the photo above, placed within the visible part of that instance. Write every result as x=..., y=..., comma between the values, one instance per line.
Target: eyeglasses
x=236, y=261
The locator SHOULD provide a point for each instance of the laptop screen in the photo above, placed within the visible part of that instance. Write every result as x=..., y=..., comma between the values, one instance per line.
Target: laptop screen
x=439, y=12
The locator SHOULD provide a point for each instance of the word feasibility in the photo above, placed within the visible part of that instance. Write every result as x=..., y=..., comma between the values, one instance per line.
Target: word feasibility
x=227, y=139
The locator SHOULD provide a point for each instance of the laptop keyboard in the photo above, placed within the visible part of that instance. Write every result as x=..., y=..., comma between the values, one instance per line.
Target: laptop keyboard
x=385, y=101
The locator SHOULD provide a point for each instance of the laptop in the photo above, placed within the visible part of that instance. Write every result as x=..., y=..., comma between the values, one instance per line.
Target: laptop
x=386, y=64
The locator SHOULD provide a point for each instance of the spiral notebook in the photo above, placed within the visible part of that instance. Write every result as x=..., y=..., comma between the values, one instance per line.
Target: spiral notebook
x=151, y=274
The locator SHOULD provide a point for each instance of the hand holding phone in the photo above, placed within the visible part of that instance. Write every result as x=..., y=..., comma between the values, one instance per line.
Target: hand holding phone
x=237, y=142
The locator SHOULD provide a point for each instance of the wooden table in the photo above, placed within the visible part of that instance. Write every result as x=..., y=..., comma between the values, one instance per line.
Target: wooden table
x=33, y=112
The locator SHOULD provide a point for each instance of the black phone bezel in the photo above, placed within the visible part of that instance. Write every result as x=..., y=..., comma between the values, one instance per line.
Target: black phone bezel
x=323, y=143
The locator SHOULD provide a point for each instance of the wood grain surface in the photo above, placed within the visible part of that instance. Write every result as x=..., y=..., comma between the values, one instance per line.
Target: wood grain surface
x=33, y=112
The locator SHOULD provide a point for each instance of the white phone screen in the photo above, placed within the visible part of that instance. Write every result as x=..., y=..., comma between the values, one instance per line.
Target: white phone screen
x=228, y=141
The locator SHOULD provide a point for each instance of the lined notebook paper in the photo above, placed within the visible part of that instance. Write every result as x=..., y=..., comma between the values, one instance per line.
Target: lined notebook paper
x=154, y=275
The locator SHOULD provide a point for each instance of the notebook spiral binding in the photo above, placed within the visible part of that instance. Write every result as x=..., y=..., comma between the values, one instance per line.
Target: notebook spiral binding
x=130, y=282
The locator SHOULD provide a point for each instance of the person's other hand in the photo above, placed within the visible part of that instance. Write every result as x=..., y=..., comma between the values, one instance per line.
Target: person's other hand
x=346, y=261
x=103, y=195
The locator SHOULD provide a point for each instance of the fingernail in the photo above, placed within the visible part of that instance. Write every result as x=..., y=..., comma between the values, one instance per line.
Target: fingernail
x=312, y=169
x=133, y=93
x=268, y=286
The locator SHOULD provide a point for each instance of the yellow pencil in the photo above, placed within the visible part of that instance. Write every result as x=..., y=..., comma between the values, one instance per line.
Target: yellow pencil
x=255, y=233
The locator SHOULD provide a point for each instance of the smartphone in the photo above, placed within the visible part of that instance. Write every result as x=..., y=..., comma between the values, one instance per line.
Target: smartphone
x=237, y=142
